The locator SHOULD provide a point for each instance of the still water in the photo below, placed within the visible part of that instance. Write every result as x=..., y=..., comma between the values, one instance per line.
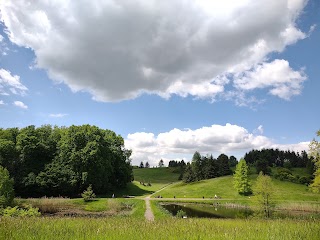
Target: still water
x=207, y=211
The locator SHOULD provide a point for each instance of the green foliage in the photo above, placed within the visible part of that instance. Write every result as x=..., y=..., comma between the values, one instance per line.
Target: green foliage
x=181, y=214
x=205, y=167
x=262, y=166
x=88, y=194
x=6, y=188
x=285, y=174
x=314, y=150
x=19, y=212
x=189, y=175
x=240, y=178
x=263, y=191
x=55, y=161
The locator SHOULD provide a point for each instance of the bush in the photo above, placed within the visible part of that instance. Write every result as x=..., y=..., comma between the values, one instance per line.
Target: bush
x=305, y=180
x=88, y=195
x=19, y=212
x=181, y=214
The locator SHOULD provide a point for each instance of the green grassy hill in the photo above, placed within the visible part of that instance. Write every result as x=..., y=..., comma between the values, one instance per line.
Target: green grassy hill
x=223, y=187
x=163, y=175
x=157, y=177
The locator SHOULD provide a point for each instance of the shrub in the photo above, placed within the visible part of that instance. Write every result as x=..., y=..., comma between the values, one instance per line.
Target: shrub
x=181, y=214
x=19, y=212
x=88, y=195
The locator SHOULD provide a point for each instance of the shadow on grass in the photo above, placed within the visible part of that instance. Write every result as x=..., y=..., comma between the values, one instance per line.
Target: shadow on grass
x=130, y=190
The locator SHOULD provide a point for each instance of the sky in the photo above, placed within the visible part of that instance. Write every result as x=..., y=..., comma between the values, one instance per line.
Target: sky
x=171, y=77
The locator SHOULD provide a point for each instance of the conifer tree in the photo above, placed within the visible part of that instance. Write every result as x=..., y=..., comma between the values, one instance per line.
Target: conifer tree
x=240, y=178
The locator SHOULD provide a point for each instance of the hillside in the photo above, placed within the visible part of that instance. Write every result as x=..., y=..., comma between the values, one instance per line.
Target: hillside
x=163, y=175
x=222, y=186
x=157, y=177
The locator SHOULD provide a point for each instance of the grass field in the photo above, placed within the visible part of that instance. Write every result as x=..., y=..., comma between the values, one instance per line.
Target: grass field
x=169, y=228
x=156, y=175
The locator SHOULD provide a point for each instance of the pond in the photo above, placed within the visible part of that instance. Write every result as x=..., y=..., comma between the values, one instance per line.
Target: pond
x=207, y=211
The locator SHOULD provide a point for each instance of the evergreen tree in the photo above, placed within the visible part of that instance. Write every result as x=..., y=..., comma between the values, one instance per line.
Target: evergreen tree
x=147, y=165
x=141, y=165
x=189, y=175
x=197, y=166
x=223, y=165
x=241, y=180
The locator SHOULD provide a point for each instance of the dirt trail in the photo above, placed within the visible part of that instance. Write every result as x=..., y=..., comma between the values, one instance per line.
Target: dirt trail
x=149, y=214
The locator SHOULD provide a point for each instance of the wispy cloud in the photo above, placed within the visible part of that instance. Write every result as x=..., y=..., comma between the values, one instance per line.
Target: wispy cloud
x=1, y=102
x=11, y=83
x=20, y=104
x=57, y=115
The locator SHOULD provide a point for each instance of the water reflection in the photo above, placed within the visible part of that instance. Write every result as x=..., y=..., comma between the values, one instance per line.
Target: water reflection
x=207, y=211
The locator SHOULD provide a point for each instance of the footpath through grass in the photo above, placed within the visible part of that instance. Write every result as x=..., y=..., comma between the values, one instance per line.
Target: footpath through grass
x=170, y=228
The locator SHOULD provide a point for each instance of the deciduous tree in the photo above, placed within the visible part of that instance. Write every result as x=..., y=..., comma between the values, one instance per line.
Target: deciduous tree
x=314, y=151
x=263, y=191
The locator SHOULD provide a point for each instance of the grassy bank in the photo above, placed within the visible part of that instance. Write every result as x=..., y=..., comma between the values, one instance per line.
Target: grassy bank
x=170, y=228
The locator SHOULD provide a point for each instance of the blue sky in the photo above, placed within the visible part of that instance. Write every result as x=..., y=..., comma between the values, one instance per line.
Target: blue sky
x=171, y=77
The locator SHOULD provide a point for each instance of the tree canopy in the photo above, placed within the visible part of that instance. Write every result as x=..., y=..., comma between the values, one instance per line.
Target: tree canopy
x=56, y=161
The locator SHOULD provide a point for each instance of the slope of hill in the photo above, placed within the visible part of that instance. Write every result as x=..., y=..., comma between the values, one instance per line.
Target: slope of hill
x=223, y=187
x=163, y=175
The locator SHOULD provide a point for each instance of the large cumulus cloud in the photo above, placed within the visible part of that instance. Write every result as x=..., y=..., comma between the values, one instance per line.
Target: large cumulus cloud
x=215, y=139
x=121, y=49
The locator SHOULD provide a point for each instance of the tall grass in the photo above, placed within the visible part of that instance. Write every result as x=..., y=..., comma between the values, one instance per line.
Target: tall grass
x=170, y=228
x=45, y=204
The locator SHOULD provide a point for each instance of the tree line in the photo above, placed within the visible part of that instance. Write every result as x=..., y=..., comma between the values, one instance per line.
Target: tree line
x=63, y=161
x=206, y=167
x=266, y=158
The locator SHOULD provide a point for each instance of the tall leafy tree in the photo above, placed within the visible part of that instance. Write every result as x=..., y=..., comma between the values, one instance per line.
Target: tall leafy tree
x=241, y=180
x=6, y=188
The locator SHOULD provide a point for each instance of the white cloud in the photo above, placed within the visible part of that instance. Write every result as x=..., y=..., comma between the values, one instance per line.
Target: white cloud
x=216, y=139
x=121, y=49
x=20, y=104
x=58, y=115
x=277, y=75
x=11, y=83
x=2, y=102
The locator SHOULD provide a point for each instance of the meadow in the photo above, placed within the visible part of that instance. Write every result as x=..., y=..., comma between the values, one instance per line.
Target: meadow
x=168, y=228
x=123, y=218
